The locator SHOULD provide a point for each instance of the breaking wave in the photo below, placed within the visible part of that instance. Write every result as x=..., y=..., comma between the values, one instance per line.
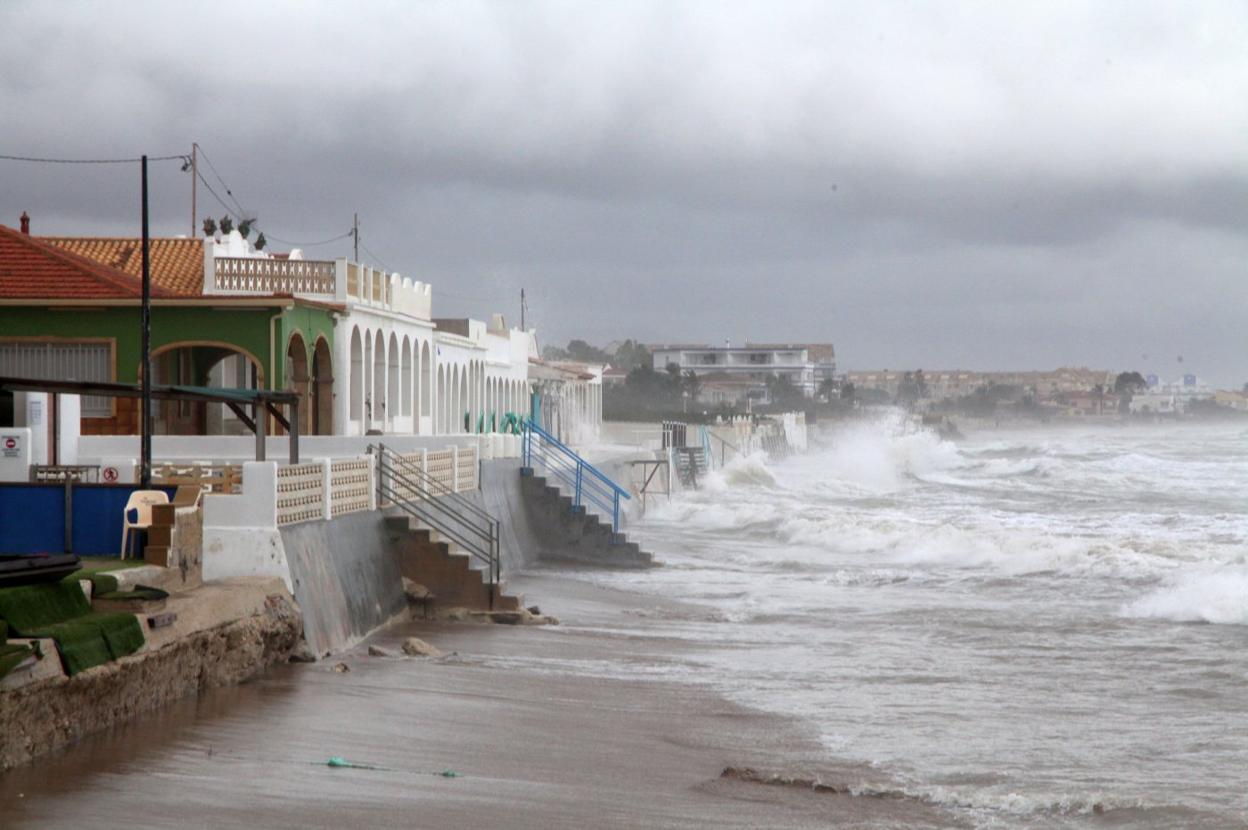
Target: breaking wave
x=1217, y=596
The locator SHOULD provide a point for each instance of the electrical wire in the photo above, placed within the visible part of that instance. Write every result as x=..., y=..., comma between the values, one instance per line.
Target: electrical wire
x=221, y=201
x=183, y=158
x=225, y=186
x=375, y=257
x=440, y=293
x=308, y=244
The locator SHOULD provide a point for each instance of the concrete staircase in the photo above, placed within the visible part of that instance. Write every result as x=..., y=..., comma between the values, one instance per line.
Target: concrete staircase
x=444, y=569
x=578, y=535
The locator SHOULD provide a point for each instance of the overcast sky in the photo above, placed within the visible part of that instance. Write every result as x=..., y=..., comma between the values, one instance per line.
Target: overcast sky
x=935, y=185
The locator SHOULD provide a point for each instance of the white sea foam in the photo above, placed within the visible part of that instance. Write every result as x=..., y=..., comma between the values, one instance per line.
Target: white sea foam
x=912, y=596
x=1215, y=596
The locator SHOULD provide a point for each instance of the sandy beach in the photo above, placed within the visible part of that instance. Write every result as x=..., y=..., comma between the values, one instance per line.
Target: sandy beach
x=533, y=735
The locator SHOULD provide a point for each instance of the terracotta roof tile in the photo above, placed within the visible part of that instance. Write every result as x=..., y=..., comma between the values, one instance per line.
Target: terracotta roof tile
x=32, y=269
x=177, y=264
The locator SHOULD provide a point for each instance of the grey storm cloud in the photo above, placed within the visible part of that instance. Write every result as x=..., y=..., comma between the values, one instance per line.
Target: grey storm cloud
x=981, y=185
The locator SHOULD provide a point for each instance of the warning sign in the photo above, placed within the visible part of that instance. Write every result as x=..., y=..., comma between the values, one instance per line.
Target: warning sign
x=110, y=474
x=11, y=446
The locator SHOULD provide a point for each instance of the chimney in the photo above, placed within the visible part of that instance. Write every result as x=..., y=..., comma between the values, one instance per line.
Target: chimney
x=25, y=223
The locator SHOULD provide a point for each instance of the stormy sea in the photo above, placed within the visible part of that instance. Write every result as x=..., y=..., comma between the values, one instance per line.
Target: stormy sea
x=1034, y=627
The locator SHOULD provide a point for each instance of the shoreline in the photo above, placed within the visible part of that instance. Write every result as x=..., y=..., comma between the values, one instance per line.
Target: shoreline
x=537, y=735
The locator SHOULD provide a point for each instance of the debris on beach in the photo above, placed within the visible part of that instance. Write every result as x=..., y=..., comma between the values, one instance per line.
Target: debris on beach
x=416, y=647
x=378, y=651
x=341, y=668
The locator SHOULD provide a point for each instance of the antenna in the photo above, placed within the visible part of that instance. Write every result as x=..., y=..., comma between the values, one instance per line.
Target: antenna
x=355, y=232
x=523, y=308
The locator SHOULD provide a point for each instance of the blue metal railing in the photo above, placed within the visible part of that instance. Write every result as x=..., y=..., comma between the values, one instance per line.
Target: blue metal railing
x=706, y=448
x=588, y=484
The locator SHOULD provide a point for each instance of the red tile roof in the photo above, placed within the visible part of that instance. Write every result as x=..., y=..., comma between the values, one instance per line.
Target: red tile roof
x=177, y=264
x=33, y=269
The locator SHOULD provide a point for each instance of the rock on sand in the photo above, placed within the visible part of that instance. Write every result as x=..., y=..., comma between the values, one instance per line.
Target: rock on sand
x=416, y=647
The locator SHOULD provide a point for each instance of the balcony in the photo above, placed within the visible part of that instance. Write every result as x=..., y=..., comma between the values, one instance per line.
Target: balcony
x=329, y=280
x=251, y=275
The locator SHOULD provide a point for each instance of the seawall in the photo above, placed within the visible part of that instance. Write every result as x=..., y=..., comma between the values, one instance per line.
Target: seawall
x=346, y=577
x=225, y=634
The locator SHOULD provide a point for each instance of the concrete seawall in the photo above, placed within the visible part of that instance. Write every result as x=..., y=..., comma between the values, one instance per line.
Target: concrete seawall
x=346, y=578
x=346, y=574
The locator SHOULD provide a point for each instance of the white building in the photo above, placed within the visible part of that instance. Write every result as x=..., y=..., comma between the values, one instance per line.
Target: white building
x=1161, y=398
x=805, y=365
x=397, y=369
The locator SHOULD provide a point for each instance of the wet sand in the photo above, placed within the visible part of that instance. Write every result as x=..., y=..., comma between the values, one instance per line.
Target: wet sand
x=537, y=736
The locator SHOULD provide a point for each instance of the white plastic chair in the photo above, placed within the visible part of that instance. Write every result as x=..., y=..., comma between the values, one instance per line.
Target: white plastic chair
x=140, y=502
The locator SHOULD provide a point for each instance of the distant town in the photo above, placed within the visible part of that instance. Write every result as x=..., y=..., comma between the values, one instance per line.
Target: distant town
x=647, y=379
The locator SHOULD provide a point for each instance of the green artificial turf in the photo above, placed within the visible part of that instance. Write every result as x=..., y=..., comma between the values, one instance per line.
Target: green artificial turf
x=140, y=592
x=102, y=583
x=27, y=607
x=60, y=610
x=10, y=655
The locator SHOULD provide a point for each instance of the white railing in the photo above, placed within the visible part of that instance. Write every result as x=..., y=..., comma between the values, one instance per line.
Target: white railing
x=466, y=469
x=350, y=486
x=242, y=275
x=327, y=489
x=440, y=466
x=300, y=493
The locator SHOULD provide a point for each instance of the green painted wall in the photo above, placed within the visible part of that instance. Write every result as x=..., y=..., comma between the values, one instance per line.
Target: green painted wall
x=310, y=323
x=247, y=329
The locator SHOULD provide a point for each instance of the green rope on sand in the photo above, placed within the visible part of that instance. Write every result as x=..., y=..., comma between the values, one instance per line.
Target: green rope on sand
x=338, y=762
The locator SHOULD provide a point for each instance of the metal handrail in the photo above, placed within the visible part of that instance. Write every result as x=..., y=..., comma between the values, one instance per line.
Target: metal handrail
x=411, y=467
x=587, y=481
x=722, y=445
x=439, y=512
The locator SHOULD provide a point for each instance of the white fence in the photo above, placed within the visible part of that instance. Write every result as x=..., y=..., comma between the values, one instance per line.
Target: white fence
x=328, y=488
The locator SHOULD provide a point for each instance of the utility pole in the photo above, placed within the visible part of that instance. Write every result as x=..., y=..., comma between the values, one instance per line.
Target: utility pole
x=355, y=233
x=194, y=185
x=145, y=315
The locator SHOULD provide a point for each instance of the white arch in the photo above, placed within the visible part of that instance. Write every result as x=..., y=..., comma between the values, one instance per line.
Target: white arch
x=378, y=390
x=426, y=380
x=405, y=374
x=439, y=419
x=369, y=403
x=393, y=381
x=355, y=373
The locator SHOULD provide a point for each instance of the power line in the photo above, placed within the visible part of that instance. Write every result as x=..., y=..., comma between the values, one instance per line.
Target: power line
x=93, y=161
x=220, y=201
x=375, y=257
x=308, y=244
x=228, y=192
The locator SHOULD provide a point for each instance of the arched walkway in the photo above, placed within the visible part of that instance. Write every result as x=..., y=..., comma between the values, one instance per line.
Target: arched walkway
x=356, y=408
x=378, y=410
x=214, y=364
x=298, y=380
x=322, y=408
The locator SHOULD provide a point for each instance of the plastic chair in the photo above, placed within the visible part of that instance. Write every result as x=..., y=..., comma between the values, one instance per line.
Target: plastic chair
x=140, y=502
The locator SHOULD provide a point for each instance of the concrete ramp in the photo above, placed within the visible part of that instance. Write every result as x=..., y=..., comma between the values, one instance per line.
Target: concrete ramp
x=346, y=578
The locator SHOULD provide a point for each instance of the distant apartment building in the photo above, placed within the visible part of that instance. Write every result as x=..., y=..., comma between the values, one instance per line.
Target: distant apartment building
x=730, y=374
x=1161, y=398
x=942, y=384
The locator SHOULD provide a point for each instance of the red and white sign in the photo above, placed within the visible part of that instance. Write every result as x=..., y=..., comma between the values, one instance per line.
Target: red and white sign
x=110, y=474
x=10, y=443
